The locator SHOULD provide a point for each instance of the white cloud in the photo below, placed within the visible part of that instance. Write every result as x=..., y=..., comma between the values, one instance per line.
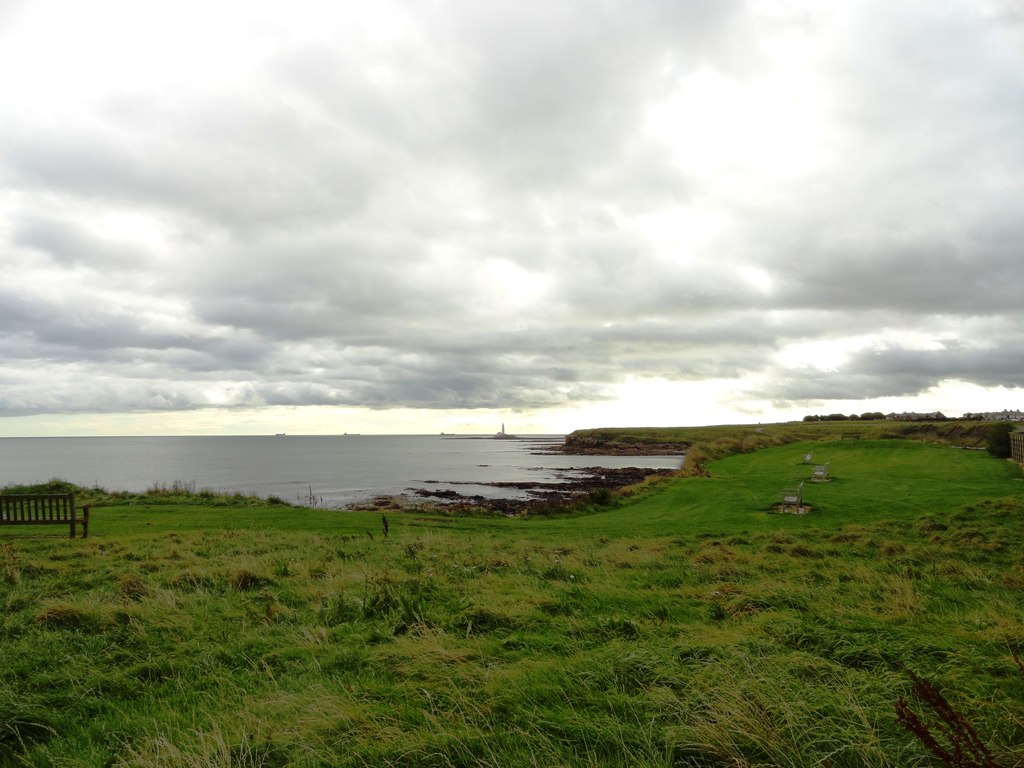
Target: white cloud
x=424, y=214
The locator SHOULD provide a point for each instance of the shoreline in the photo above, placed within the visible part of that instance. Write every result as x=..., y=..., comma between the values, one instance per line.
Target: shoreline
x=542, y=498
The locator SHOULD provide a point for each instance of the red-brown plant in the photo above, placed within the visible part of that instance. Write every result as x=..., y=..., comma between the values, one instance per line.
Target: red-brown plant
x=962, y=747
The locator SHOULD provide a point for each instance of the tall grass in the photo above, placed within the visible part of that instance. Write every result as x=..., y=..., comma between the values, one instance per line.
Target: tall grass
x=682, y=626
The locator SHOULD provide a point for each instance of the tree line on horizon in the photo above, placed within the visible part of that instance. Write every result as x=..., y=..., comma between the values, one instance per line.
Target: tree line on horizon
x=868, y=416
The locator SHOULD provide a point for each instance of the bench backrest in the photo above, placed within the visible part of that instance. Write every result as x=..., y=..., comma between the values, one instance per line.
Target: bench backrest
x=44, y=509
x=37, y=508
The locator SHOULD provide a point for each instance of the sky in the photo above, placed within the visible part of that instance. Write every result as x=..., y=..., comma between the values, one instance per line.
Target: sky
x=422, y=216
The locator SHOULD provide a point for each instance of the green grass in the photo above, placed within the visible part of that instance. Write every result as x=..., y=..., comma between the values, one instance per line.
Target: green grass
x=681, y=625
x=872, y=480
x=705, y=444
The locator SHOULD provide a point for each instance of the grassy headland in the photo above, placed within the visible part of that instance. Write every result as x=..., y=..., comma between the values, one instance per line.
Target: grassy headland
x=704, y=444
x=951, y=432
x=678, y=624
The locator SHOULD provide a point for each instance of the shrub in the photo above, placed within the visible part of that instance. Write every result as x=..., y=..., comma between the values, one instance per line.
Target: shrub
x=998, y=443
x=51, y=486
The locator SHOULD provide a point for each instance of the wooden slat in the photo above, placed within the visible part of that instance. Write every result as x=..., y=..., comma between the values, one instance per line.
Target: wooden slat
x=42, y=509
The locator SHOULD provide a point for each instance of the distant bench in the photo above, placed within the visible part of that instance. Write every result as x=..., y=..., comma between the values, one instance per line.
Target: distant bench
x=793, y=499
x=44, y=509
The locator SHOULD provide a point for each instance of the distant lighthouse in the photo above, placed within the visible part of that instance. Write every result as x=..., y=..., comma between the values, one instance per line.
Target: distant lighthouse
x=504, y=435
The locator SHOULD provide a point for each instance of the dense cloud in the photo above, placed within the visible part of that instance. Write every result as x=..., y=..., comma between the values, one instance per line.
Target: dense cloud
x=463, y=205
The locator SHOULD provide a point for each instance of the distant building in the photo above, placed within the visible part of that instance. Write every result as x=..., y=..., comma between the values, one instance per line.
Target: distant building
x=996, y=416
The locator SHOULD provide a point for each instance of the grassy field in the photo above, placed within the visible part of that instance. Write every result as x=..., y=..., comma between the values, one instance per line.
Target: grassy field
x=680, y=625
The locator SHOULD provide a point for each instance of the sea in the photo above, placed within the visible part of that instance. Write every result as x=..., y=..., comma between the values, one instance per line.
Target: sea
x=328, y=471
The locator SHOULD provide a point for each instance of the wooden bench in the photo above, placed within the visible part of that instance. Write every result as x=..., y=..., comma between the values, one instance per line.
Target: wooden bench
x=793, y=498
x=44, y=509
x=820, y=473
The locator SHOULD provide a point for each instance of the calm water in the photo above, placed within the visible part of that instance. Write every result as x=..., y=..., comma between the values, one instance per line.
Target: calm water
x=338, y=469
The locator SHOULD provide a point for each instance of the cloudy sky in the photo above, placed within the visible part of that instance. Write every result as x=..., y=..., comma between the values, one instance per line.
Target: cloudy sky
x=441, y=215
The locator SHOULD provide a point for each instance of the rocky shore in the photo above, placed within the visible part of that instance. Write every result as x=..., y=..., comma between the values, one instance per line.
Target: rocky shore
x=541, y=497
x=574, y=483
